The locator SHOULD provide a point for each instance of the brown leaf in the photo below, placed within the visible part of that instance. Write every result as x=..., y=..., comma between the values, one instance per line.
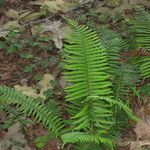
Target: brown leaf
x=144, y=113
x=57, y=28
x=12, y=137
x=53, y=6
x=11, y=25
x=32, y=16
x=137, y=145
x=11, y=13
x=3, y=33
x=142, y=131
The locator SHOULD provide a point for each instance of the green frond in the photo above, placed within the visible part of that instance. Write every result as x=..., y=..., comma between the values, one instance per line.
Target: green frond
x=144, y=66
x=90, y=146
x=97, y=113
x=86, y=63
x=79, y=137
x=90, y=99
x=113, y=43
x=141, y=13
x=126, y=76
x=33, y=107
x=141, y=32
x=111, y=40
x=91, y=103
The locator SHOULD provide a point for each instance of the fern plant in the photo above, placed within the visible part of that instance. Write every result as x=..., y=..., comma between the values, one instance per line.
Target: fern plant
x=90, y=100
x=33, y=107
x=141, y=33
x=114, y=44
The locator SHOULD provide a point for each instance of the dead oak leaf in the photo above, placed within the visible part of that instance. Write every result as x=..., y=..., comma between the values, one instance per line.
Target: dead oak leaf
x=57, y=28
x=52, y=6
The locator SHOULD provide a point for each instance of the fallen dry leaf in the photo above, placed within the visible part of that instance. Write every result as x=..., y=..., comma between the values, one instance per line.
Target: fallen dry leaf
x=63, y=82
x=38, y=2
x=57, y=28
x=137, y=145
x=53, y=6
x=12, y=137
x=142, y=131
x=32, y=16
x=11, y=13
x=23, y=14
x=144, y=113
x=11, y=25
x=43, y=85
x=3, y=33
x=27, y=90
x=114, y=3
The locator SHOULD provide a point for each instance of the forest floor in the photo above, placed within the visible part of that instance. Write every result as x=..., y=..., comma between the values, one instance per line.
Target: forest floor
x=31, y=42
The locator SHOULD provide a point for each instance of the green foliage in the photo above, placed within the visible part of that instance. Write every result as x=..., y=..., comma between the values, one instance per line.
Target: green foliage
x=33, y=107
x=29, y=68
x=141, y=30
x=14, y=48
x=26, y=55
x=38, y=77
x=90, y=146
x=92, y=105
x=90, y=99
x=11, y=116
x=126, y=77
x=2, y=2
x=41, y=141
x=12, y=45
x=76, y=137
x=145, y=89
x=114, y=44
x=123, y=74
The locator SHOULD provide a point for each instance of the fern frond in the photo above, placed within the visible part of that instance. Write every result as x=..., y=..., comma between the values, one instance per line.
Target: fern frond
x=76, y=137
x=89, y=96
x=113, y=43
x=126, y=76
x=33, y=107
x=111, y=40
x=141, y=33
x=86, y=64
x=144, y=66
x=89, y=146
x=97, y=112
